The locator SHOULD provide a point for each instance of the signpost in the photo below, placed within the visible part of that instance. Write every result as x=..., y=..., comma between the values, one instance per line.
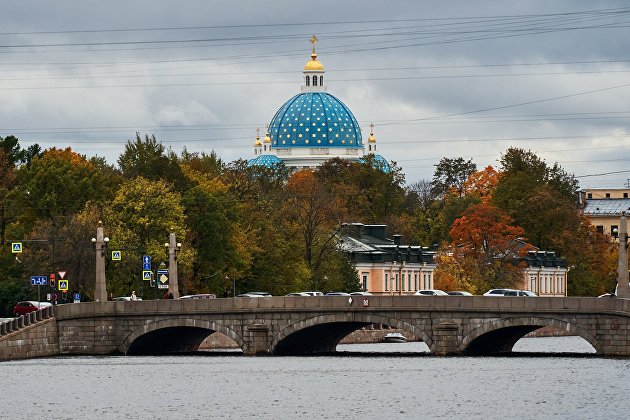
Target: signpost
x=39, y=281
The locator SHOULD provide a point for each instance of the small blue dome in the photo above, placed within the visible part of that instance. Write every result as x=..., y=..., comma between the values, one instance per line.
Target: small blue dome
x=264, y=160
x=315, y=119
x=378, y=162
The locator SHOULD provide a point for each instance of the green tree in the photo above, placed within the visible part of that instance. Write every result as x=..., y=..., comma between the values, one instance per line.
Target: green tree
x=450, y=175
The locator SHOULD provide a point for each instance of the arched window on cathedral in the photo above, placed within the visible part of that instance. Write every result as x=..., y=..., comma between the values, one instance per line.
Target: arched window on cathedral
x=321, y=80
x=314, y=80
x=308, y=80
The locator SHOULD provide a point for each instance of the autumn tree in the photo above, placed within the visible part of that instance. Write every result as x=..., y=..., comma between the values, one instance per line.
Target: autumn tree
x=486, y=244
x=450, y=175
x=482, y=184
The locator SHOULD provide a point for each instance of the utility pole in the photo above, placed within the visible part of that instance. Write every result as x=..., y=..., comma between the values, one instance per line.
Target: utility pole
x=100, y=243
x=173, y=250
x=623, y=290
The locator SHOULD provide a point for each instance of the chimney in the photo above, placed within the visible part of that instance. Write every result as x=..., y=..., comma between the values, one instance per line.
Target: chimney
x=397, y=239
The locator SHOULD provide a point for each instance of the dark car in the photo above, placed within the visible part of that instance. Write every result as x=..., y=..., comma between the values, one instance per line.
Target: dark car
x=27, y=306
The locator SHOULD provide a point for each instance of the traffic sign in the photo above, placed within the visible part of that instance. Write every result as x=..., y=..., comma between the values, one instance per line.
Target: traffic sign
x=63, y=285
x=146, y=262
x=162, y=276
x=39, y=280
x=62, y=274
x=147, y=275
x=116, y=255
x=16, y=247
x=76, y=297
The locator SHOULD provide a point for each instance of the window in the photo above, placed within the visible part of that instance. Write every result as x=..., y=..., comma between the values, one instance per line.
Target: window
x=589, y=195
x=314, y=80
x=599, y=229
x=308, y=80
x=625, y=195
x=559, y=288
x=365, y=277
x=532, y=283
x=607, y=195
x=409, y=281
x=424, y=281
x=415, y=276
x=614, y=231
x=321, y=80
x=396, y=282
x=386, y=281
x=403, y=282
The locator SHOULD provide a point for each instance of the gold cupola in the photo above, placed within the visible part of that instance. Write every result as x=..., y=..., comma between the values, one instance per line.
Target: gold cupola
x=371, y=140
x=313, y=72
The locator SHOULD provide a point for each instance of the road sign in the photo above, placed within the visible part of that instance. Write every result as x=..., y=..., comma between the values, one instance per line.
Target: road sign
x=76, y=297
x=16, y=247
x=62, y=274
x=116, y=255
x=63, y=285
x=146, y=262
x=39, y=280
x=147, y=275
x=162, y=277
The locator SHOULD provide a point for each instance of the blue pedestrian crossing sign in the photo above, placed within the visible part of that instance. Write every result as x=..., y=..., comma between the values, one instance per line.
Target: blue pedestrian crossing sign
x=116, y=255
x=63, y=285
x=16, y=247
x=147, y=275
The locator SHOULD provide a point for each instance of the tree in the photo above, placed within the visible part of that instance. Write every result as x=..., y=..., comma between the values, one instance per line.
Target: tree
x=139, y=220
x=488, y=247
x=450, y=175
x=482, y=184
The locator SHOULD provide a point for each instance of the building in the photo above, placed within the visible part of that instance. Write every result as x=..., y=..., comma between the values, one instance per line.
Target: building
x=603, y=208
x=385, y=267
x=312, y=127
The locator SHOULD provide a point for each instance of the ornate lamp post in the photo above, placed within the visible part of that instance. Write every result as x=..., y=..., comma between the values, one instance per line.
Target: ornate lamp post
x=623, y=289
x=100, y=244
x=173, y=247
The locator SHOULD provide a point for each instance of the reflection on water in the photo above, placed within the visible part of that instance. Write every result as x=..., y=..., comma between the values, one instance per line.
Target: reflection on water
x=330, y=387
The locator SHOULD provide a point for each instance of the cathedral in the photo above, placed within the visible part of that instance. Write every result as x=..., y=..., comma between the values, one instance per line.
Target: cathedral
x=313, y=127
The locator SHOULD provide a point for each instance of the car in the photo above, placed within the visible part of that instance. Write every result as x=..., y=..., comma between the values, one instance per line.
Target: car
x=360, y=294
x=337, y=294
x=313, y=293
x=519, y=293
x=254, y=294
x=200, y=296
x=431, y=292
x=28, y=306
x=458, y=293
x=124, y=298
x=298, y=294
x=608, y=295
x=497, y=292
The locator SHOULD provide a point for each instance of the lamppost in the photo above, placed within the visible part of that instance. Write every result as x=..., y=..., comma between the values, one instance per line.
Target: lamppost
x=623, y=289
x=173, y=247
x=100, y=244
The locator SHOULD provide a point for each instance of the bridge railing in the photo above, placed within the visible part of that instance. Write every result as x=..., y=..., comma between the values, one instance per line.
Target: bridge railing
x=31, y=318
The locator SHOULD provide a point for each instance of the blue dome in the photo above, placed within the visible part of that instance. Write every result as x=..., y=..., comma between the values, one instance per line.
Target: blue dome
x=315, y=119
x=264, y=160
x=378, y=162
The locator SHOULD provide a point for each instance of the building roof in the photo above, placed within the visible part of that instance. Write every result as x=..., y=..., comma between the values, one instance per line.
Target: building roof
x=264, y=160
x=606, y=206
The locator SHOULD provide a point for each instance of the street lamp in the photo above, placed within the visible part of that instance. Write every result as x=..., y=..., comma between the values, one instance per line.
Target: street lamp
x=172, y=248
x=623, y=288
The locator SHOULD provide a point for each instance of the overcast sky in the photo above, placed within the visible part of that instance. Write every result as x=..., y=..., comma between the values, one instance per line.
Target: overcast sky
x=438, y=79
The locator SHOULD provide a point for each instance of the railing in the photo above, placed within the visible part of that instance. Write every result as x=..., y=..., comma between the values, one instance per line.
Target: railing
x=31, y=318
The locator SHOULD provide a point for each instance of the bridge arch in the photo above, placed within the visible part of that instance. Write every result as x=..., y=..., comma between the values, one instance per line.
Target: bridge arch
x=322, y=333
x=183, y=335
x=500, y=335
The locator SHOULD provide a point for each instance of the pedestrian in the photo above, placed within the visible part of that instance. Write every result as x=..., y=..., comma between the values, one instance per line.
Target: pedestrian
x=165, y=296
x=170, y=295
x=133, y=295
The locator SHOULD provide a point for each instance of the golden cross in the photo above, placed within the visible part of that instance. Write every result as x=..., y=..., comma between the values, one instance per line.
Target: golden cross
x=258, y=132
x=314, y=41
x=371, y=127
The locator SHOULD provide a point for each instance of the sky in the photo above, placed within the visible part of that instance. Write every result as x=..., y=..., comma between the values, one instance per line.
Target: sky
x=437, y=79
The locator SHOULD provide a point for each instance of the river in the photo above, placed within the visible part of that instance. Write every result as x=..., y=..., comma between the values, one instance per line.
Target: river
x=363, y=381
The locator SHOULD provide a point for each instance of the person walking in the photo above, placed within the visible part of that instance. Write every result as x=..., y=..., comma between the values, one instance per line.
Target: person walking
x=133, y=295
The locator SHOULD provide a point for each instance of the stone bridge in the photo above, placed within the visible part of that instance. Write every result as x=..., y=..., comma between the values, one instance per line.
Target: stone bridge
x=449, y=325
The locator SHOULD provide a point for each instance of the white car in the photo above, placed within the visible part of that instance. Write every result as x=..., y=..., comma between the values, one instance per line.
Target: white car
x=431, y=292
x=360, y=294
x=498, y=292
x=459, y=293
x=519, y=293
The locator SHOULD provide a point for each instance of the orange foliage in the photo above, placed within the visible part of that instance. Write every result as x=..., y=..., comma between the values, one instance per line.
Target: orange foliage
x=66, y=155
x=482, y=183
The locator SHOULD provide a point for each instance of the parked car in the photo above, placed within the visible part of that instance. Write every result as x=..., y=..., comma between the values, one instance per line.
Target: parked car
x=298, y=294
x=496, y=292
x=519, y=293
x=431, y=292
x=360, y=294
x=200, y=296
x=337, y=294
x=254, y=294
x=314, y=293
x=27, y=306
x=608, y=295
x=458, y=293
x=124, y=298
